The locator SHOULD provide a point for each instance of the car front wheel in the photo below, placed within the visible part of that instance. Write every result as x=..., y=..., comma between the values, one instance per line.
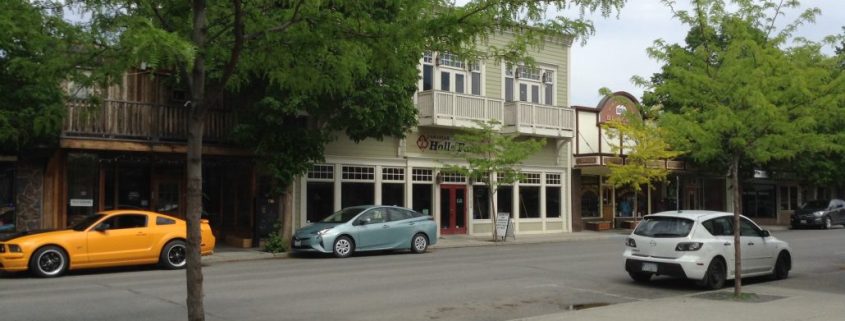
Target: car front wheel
x=641, y=277
x=419, y=243
x=715, y=276
x=173, y=255
x=782, y=266
x=48, y=261
x=343, y=247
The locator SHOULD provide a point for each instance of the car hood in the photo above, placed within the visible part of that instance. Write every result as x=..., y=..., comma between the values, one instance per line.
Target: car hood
x=28, y=235
x=314, y=228
x=809, y=210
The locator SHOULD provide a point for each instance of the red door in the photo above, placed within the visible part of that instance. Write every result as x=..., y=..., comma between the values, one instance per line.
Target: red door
x=453, y=209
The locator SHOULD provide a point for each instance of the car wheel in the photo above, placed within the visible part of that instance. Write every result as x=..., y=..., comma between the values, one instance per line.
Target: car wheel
x=782, y=266
x=174, y=255
x=48, y=261
x=419, y=243
x=641, y=277
x=715, y=276
x=827, y=223
x=343, y=247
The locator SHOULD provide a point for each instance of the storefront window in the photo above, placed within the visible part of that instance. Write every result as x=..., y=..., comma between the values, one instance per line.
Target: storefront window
x=319, y=200
x=353, y=194
x=82, y=185
x=505, y=199
x=133, y=186
x=7, y=198
x=759, y=201
x=481, y=203
x=422, y=198
x=553, y=201
x=393, y=194
x=529, y=201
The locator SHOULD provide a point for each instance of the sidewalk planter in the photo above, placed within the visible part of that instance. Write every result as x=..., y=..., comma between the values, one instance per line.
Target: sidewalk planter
x=597, y=225
x=239, y=241
x=631, y=224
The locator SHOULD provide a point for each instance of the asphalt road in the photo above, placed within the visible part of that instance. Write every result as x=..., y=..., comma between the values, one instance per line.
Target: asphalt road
x=478, y=283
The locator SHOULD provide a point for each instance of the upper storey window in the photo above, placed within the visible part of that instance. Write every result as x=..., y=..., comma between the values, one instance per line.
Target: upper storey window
x=534, y=85
x=445, y=71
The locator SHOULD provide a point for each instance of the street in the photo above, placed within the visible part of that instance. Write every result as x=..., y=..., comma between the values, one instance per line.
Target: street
x=474, y=283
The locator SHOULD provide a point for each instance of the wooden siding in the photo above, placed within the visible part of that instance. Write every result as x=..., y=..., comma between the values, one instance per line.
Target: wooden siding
x=368, y=148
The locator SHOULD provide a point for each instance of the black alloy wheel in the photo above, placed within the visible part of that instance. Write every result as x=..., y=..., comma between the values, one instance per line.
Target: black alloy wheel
x=49, y=261
x=715, y=276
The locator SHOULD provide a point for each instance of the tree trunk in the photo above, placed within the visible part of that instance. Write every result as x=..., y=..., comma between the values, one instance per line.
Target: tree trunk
x=737, y=244
x=193, y=272
x=287, y=216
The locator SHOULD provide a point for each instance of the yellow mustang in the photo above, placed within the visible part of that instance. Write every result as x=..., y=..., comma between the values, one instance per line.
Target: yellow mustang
x=112, y=238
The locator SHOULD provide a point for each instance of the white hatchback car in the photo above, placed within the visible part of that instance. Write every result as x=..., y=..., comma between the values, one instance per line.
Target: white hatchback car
x=698, y=245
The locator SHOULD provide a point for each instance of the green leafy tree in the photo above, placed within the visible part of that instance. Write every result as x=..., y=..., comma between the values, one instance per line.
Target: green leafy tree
x=643, y=144
x=492, y=157
x=349, y=65
x=732, y=96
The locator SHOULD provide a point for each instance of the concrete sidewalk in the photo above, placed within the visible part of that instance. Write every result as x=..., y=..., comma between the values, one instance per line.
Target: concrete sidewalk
x=779, y=304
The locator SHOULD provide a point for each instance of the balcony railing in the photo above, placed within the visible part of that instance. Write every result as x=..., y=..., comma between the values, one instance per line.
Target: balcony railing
x=447, y=109
x=115, y=119
x=540, y=120
x=443, y=108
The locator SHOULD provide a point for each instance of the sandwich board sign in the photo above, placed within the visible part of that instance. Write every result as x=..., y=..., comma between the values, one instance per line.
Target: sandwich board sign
x=504, y=225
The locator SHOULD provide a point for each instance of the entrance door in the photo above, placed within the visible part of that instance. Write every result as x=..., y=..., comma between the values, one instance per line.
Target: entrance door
x=168, y=196
x=453, y=209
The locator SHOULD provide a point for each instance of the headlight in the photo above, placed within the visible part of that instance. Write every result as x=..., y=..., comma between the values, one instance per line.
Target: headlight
x=818, y=213
x=630, y=242
x=14, y=248
x=324, y=231
x=688, y=246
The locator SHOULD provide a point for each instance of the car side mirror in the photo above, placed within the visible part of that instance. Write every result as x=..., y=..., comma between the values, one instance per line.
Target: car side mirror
x=102, y=227
x=765, y=233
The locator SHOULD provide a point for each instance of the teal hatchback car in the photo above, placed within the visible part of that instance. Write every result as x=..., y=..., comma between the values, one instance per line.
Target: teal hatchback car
x=367, y=228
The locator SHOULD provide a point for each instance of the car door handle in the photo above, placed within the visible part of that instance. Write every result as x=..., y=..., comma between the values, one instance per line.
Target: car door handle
x=727, y=244
x=750, y=243
x=141, y=234
x=385, y=226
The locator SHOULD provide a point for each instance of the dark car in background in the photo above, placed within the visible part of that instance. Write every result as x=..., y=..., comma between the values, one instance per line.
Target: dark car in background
x=819, y=213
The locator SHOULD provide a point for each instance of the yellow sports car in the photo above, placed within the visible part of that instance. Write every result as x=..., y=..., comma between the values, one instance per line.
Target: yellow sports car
x=112, y=238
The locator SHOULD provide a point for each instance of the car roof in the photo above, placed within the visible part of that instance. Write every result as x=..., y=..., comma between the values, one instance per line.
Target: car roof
x=699, y=215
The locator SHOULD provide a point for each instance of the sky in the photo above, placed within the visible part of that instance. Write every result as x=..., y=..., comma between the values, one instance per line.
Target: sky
x=617, y=50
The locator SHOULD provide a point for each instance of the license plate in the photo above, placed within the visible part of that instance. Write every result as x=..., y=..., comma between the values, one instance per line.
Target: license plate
x=803, y=221
x=649, y=267
x=297, y=243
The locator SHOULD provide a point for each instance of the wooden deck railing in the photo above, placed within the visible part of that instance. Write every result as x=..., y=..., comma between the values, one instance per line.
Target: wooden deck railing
x=114, y=119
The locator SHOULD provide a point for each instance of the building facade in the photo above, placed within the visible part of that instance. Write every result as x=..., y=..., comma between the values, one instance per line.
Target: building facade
x=454, y=94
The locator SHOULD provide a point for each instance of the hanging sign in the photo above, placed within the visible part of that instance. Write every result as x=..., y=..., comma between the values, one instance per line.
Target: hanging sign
x=81, y=202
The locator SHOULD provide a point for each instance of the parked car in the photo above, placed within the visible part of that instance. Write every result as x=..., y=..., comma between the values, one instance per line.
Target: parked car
x=106, y=239
x=819, y=213
x=367, y=228
x=699, y=245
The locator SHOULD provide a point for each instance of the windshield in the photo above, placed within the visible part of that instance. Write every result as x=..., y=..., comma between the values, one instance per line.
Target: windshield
x=86, y=222
x=664, y=227
x=344, y=215
x=815, y=205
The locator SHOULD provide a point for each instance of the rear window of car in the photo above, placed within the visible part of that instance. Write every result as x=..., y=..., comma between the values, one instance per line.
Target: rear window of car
x=164, y=221
x=664, y=227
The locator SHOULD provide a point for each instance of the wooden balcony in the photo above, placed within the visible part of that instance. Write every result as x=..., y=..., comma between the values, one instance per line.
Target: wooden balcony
x=447, y=109
x=123, y=120
x=539, y=120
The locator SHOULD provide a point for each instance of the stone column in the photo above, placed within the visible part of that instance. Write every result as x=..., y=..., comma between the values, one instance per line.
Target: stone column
x=29, y=188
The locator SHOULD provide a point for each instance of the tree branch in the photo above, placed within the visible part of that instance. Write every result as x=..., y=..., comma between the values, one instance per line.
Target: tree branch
x=295, y=18
x=235, y=54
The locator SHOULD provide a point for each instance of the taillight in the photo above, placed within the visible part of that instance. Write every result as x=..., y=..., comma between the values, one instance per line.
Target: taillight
x=688, y=246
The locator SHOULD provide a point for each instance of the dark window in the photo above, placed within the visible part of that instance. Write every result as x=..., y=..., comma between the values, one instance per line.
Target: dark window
x=553, y=201
x=398, y=214
x=664, y=227
x=164, y=221
x=476, y=83
x=319, y=200
x=549, y=94
x=481, y=202
x=133, y=186
x=373, y=216
x=125, y=221
x=428, y=77
x=529, y=201
x=523, y=92
x=393, y=194
x=444, y=81
x=505, y=199
x=722, y=226
x=508, y=89
x=535, y=94
x=459, y=83
x=352, y=194
x=82, y=186
x=759, y=201
x=746, y=228
x=422, y=198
